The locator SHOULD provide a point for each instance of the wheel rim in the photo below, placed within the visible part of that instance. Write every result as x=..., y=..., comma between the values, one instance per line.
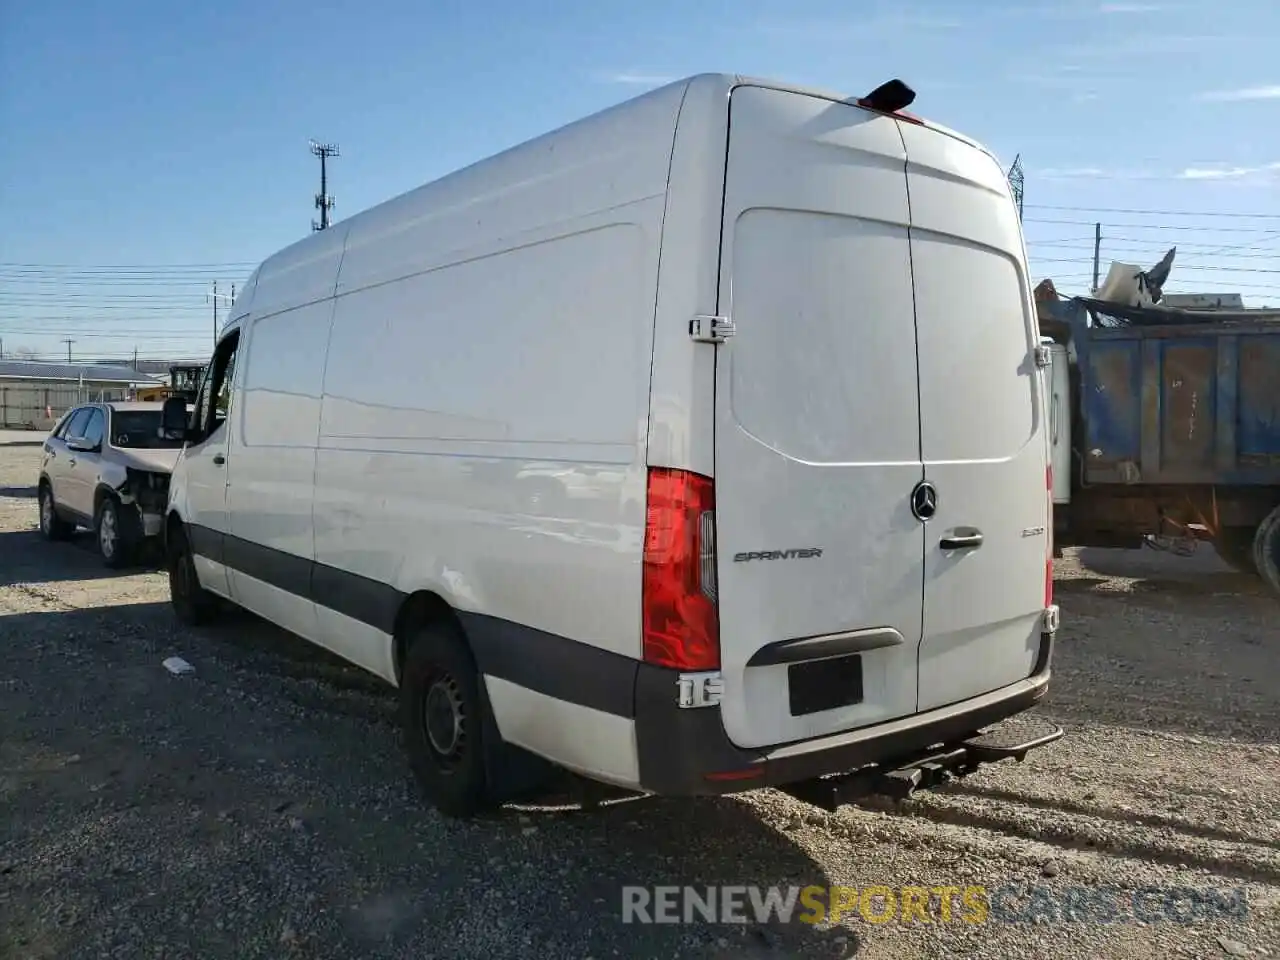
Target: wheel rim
x=46, y=511
x=107, y=532
x=444, y=718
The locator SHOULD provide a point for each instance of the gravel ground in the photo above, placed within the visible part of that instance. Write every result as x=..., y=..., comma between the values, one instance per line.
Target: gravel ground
x=261, y=807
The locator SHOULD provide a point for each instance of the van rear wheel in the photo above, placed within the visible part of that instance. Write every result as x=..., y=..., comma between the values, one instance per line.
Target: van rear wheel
x=442, y=714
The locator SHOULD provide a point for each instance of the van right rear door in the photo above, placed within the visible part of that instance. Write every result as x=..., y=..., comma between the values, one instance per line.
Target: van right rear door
x=817, y=423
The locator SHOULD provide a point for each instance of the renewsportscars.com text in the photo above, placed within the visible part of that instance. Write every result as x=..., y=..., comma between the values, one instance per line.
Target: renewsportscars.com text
x=973, y=904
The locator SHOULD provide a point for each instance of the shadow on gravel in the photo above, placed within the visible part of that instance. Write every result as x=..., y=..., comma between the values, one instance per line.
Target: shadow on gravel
x=281, y=822
x=1203, y=573
x=29, y=558
x=1157, y=821
x=28, y=493
x=1069, y=834
x=1202, y=585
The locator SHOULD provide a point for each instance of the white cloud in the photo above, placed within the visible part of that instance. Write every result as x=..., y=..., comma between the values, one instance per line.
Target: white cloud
x=640, y=79
x=1093, y=173
x=1227, y=173
x=866, y=30
x=1247, y=93
x=1202, y=172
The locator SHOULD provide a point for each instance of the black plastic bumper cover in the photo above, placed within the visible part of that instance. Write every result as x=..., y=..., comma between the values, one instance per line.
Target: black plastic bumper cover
x=686, y=752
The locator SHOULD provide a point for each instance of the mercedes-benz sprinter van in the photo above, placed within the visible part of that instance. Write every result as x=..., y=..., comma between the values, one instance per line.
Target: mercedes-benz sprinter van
x=697, y=446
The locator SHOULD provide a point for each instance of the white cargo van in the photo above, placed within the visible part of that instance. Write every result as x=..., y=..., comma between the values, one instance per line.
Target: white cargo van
x=698, y=446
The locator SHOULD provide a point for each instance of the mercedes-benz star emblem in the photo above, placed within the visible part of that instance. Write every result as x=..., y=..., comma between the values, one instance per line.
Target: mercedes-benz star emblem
x=924, y=500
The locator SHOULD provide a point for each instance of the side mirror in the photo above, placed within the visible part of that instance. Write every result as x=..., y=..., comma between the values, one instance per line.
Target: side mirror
x=173, y=419
x=80, y=445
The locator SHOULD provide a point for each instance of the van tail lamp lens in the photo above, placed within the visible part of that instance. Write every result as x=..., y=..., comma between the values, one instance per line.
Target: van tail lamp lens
x=1048, y=560
x=681, y=622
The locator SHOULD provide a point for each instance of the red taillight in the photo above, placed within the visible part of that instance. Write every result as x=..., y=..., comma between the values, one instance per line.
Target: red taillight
x=1048, y=560
x=681, y=625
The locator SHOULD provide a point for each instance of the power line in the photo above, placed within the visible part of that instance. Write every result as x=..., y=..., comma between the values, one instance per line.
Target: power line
x=114, y=335
x=1181, y=228
x=1181, y=269
x=1156, y=213
x=228, y=265
x=1164, y=244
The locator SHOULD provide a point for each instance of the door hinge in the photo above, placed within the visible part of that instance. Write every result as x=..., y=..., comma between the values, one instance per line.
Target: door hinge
x=1043, y=356
x=695, y=690
x=708, y=329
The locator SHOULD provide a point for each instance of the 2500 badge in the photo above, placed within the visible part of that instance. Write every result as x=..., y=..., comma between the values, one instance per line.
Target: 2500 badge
x=801, y=553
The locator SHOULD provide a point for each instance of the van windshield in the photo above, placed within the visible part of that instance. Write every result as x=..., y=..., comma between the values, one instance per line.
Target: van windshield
x=139, y=429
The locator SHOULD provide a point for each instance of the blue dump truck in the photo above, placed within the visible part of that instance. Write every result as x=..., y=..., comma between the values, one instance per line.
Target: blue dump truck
x=1165, y=428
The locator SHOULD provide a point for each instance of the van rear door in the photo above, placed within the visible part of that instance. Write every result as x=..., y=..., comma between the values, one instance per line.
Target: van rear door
x=983, y=424
x=817, y=423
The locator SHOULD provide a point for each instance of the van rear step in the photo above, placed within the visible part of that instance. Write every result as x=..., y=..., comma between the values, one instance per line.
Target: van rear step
x=899, y=777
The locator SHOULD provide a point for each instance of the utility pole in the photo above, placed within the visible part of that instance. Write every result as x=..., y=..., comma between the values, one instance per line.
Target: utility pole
x=68, y=342
x=1097, y=253
x=324, y=201
x=1016, y=182
x=214, y=298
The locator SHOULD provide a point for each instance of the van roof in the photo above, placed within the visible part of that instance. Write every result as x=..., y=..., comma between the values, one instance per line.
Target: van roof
x=834, y=96
x=721, y=84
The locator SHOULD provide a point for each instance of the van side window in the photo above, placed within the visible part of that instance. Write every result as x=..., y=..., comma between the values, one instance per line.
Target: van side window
x=214, y=402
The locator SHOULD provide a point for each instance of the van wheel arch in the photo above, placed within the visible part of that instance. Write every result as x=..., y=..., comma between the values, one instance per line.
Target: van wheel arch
x=510, y=772
x=419, y=610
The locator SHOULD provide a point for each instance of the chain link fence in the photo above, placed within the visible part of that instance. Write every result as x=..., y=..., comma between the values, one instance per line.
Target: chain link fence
x=37, y=406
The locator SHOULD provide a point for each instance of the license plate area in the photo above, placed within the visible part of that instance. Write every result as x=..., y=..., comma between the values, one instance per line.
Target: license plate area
x=829, y=684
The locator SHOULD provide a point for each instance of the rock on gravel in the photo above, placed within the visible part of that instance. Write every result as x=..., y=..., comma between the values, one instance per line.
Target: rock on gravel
x=260, y=806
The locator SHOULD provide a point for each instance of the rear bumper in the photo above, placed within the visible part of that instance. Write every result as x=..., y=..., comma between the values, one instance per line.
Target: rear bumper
x=686, y=752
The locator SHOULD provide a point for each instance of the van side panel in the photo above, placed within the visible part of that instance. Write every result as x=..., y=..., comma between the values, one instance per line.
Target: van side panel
x=271, y=455
x=482, y=431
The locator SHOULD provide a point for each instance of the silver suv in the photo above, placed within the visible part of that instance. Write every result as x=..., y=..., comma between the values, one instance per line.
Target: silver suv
x=106, y=467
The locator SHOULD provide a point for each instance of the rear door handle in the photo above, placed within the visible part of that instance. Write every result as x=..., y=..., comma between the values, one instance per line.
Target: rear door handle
x=969, y=539
x=219, y=459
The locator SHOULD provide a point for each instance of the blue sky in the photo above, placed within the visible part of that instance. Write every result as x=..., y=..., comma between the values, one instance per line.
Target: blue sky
x=172, y=139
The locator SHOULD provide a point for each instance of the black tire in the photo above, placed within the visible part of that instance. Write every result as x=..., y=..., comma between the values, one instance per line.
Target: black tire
x=1235, y=546
x=192, y=604
x=116, y=534
x=442, y=713
x=1266, y=550
x=52, y=526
